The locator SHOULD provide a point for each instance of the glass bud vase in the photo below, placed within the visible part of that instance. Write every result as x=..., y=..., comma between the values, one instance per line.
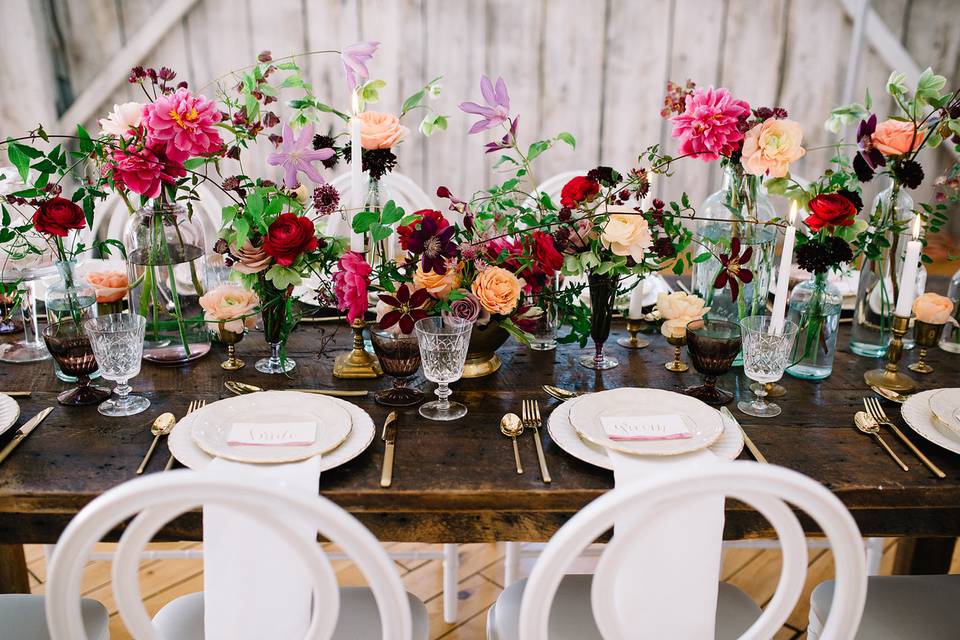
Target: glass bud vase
x=378, y=252
x=545, y=332
x=950, y=338
x=276, y=309
x=603, y=293
x=167, y=269
x=815, y=308
x=70, y=299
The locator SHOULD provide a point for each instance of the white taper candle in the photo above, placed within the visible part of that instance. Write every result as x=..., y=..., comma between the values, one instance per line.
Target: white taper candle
x=783, y=275
x=356, y=173
x=908, y=276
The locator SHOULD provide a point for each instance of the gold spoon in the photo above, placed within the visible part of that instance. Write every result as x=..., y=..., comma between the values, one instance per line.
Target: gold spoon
x=162, y=426
x=512, y=426
x=889, y=394
x=240, y=388
x=867, y=424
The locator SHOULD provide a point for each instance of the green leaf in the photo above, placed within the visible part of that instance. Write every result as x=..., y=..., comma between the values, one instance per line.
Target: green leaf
x=408, y=219
x=291, y=81
x=897, y=83
x=371, y=91
x=86, y=144
x=413, y=101
x=568, y=138
x=283, y=277
x=703, y=257
x=536, y=149
x=929, y=85
x=379, y=232
x=19, y=159
x=255, y=205
x=193, y=164
x=391, y=213
x=363, y=220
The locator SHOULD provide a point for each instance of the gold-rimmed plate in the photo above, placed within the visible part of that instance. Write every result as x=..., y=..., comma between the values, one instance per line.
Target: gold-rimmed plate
x=945, y=407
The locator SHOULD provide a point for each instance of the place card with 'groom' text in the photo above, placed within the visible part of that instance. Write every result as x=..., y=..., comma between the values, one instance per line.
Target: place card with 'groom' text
x=659, y=427
x=280, y=434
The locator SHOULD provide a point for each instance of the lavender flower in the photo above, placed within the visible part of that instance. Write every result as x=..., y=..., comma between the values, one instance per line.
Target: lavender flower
x=497, y=110
x=354, y=60
x=296, y=155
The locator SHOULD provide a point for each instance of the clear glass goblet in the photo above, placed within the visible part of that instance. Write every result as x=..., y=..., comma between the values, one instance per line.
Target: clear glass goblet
x=766, y=354
x=117, y=341
x=443, y=351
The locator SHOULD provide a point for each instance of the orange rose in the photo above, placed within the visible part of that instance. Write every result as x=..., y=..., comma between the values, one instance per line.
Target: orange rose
x=770, y=147
x=497, y=289
x=438, y=286
x=110, y=286
x=380, y=130
x=896, y=137
x=230, y=304
x=933, y=308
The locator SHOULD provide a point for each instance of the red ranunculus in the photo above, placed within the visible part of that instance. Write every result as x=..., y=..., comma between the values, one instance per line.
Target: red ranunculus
x=289, y=236
x=830, y=210
x=57, y=216
x=579, y=189
x=406, y=231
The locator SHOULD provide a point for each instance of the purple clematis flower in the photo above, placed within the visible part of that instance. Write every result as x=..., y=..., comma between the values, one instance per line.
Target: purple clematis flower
x=497, y=110
x=296, y=155
x=354, y=58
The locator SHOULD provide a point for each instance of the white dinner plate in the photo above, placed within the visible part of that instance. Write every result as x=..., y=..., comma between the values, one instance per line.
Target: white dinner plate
x=703, y=422
x=9, y=412
x=212, y=425
x=945, y=406
x=916, y=413
x=186, y=451
x=728, y=447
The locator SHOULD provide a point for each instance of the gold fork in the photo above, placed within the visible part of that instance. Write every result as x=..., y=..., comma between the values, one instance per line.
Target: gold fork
x=193, y=406
x=876, y=411
x=531, y=420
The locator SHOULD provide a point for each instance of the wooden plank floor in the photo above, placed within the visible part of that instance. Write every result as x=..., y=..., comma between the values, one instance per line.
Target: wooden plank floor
x=481, y=578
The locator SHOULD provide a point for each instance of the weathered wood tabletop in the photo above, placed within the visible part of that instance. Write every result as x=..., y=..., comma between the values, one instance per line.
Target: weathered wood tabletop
x=456, y=482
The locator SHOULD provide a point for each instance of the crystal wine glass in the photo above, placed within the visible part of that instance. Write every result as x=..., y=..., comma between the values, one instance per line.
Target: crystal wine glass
x=766, y=354
x=713, y=345
x=117, y=341
x=443, y=350
x=399, y=356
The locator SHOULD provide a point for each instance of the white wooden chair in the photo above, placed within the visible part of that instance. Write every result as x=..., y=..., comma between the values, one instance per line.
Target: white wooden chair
x=556, y=606
x=384, y=610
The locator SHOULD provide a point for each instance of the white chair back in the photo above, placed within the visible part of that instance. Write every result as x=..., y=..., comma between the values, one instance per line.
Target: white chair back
x=766, y=487
x=161, y=497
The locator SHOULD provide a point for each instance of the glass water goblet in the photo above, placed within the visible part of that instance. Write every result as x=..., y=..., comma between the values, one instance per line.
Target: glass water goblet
x=443, y=351
x=713, y=345
x=399, y=356
x=117, y=341
x=766, y=355
x=71, y=349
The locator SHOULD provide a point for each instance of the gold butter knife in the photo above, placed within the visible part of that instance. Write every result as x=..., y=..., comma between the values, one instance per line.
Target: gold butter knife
x=759, y=457
x=240, y=388
x=23, y=432
x=17, y=394
x=389, y=437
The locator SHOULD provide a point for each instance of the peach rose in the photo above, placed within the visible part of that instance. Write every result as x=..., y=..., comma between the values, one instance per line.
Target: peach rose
x=677, y=310
x=110, y=286
x=250, y=259
x=627, y=234
x=497, y=289
x=933, y=308
x=896, y=137
x=380, y=130
x=770, y=147
x=438, y=286
x=230, y=304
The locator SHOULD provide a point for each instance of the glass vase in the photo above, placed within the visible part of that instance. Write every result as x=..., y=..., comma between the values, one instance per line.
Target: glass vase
x=950, y=338
x=545, y=332
x=167, y=270
x=70, y=299
x=276, y=310
x=378, y=252
x=603, y=294
x=815, y=308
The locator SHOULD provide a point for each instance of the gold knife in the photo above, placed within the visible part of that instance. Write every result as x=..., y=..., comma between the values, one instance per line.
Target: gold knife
x=23, y=432
x=17, y=394
x=759, y=457
x=389, y=437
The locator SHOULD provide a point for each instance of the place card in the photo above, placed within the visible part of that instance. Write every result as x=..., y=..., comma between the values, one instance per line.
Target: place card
x=659, y=427
x=280, y=434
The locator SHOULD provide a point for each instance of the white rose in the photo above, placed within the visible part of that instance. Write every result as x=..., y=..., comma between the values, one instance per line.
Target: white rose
x=627, y=234
x=677, y=310
x=122, y=119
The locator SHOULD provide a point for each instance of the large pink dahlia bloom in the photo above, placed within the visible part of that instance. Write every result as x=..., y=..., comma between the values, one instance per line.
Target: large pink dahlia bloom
x=184, y=124
x=708, y=127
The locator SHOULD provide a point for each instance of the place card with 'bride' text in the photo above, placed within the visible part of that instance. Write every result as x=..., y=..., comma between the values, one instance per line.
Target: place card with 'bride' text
x=659, y=427
x=281, y=434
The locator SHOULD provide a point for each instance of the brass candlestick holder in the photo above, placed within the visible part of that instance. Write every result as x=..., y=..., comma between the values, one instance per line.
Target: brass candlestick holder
x=633, y=342
x=925, y=335
x=359, y=363
x=889, y=377
x=678, y=365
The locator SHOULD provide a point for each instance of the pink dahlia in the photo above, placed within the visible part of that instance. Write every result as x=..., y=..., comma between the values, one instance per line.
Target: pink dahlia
x=708, y=126
x=184, y=123
x=143, y=171
x=350, y=284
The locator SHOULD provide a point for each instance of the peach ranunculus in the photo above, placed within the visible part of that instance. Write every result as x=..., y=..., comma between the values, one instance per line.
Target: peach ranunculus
x=627, y=234
x=770, y=147
x=497, y=289
x=232, y=304
x=250, y=259
x=110, y=286
x=439, y=286
x=380, y=130
x=896, y=137
x=933, y=308
x=677, y=310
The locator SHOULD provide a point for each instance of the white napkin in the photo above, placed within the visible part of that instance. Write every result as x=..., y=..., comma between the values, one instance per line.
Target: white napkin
x=255, y=586
x=671, y=589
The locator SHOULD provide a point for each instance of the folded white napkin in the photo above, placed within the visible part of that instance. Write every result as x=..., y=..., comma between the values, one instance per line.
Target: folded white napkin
x=255, y=586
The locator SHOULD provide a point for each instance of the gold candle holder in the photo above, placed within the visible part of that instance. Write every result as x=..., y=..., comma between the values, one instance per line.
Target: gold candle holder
x=230, y=338
x=925, y=335
x=633, y=342
x=678, y=365
x=359, y=363
x=889, y=377
x=773, y=389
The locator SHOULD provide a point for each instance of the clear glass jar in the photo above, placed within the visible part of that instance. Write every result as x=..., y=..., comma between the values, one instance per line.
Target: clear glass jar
x=950, y=338
x=70, y=299
x=815, y=308
x=166, y=265
x=545, y=333
x=378, y=251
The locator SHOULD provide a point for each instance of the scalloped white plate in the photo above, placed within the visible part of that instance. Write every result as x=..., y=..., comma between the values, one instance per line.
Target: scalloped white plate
x=9, y=412
x=916, y=413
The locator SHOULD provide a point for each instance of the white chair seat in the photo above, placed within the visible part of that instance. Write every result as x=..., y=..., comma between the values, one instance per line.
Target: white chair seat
x=900, y=607
x=22, y=617
x=182, y=618
x=571, y=616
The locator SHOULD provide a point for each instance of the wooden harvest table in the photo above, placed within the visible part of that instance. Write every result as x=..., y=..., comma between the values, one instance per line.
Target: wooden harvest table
x=456, y=482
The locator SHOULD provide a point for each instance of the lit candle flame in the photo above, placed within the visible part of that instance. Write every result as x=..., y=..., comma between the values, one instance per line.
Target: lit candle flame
x=916, y=227
x=355, y=102
x=793, y=212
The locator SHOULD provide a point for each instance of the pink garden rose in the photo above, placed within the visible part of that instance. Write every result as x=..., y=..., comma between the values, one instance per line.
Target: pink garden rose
x=350, y=284
x=771, y=146
x=184, y=123
x=143, y=171
x=110, y=286
x=380, y=130
x=708, y=127
x=896, y=137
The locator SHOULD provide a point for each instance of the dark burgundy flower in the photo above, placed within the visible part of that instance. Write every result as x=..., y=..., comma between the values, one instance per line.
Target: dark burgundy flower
x=507, y=141
x=870, y=156
x=830, y=210
x=407, y=308
x=909, y=173
x=578, y=190
x=405, y=231
x=57, y=217
x=820, y=257
x=733, y=271
x=664, y=248
x=326, y=198
x=853, y=197
x=431, y=238
x=604, y=175
x=327, y=142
